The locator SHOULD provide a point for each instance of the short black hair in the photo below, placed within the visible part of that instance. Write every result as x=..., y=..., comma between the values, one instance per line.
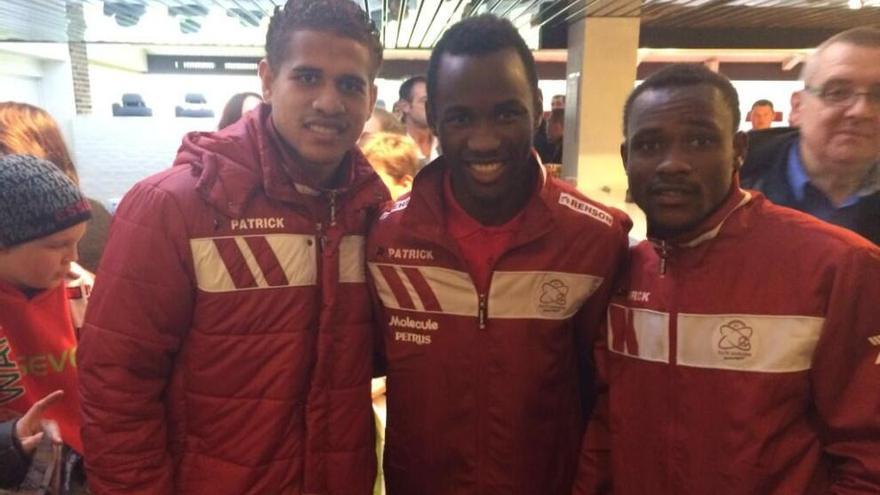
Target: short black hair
x=480, y=35
x=684, y=75
x=405, y=91
x=341, y=17
x=762, y=103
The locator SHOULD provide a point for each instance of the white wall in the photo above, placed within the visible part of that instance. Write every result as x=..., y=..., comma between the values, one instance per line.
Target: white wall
x=20, y=88
x=39, y=74
x=112, y=154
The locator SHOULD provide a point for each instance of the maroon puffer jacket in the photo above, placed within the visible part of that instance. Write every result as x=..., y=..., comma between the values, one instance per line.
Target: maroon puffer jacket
x=227, y=348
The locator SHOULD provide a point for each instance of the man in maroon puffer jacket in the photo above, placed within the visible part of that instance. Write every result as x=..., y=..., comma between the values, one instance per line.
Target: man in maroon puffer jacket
x=229, y=348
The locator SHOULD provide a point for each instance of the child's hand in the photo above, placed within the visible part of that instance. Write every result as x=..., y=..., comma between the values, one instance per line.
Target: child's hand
x=29, y=428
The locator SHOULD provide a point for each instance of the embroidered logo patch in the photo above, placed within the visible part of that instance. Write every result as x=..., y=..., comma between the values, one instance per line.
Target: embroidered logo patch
x=736, y=341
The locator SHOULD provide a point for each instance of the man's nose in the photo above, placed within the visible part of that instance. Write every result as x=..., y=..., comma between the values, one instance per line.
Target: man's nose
x=675, y=161
x=483, y=139
x=328, y=101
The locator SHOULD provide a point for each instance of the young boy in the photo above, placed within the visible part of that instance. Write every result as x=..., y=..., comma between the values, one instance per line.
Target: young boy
x=42, y=217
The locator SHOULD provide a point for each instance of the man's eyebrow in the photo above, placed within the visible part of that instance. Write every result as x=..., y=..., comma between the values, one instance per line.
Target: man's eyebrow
x=703, y=122
x=304, y=68
x=646, y=131
x=353, y=78
x=509, y=103
x=456, y=109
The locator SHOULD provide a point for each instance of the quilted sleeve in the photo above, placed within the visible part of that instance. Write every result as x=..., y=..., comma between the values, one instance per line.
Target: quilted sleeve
x=846, y=375
x=593, y=472
x=139, y=311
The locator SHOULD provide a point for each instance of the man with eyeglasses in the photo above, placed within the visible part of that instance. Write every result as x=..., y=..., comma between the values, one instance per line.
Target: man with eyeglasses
x=829, y=166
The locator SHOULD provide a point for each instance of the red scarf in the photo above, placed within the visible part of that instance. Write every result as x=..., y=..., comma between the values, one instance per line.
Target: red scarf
x=38, y=356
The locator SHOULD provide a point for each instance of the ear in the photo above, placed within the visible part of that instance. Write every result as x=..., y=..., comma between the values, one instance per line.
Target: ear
x=539, y=108
x=740, y=148
x=624, y=154
x=797, y=99
x=266, y=78
x=429, y=115
x=374, y=94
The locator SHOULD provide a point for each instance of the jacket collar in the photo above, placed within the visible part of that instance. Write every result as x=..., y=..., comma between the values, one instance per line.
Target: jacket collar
x=235, y=163
x=425, y=215
x=709, y=228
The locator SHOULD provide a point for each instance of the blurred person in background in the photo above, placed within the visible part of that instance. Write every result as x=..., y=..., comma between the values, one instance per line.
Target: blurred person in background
x=413, y=96
x=238, y=105
x=762, y=114
x=555, y=134
x=381, y=121
x=829, y=166
x=29, y=130
x=395, y=158
x=397, y=110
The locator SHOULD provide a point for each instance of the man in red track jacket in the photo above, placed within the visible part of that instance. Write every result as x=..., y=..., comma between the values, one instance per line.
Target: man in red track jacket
x=493, y=278
x=742, y=345
x=229, y=347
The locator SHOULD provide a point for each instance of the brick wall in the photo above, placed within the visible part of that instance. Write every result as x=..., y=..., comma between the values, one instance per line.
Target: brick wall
x=79, y=58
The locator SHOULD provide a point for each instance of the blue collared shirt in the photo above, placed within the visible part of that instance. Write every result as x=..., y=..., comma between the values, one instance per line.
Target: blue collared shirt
x=813, y=201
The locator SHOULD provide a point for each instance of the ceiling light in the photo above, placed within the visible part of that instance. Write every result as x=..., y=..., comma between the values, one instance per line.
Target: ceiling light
x=126, y=14
x=856, y=4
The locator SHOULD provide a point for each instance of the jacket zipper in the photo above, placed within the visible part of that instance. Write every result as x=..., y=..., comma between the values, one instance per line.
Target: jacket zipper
x=333, y=195
x=674, y=446
x=482, y=311
x=482, y=317
x=664, y=256
x=322, y=239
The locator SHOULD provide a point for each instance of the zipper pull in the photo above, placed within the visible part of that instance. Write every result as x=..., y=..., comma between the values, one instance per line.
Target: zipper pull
x=321, y=238
x=332, y=208
x=664, y=253
x=483, y=312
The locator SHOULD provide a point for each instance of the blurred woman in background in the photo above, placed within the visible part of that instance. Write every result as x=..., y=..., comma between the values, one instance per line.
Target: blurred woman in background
x=238, y=105
x=395, y=158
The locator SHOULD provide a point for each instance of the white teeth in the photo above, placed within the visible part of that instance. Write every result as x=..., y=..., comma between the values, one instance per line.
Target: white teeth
x=323, y=129
x=486, y=167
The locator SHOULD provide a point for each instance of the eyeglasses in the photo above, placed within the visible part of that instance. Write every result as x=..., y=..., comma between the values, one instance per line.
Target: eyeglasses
x=844, y=96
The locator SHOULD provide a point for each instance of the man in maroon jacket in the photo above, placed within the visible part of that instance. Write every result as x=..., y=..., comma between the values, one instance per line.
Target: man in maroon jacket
x=229, y=350
x=742, y=342
x=492, y=278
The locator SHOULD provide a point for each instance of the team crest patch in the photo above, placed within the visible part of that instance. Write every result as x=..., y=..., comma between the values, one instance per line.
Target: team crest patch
x=736, y=341
x=585, y=208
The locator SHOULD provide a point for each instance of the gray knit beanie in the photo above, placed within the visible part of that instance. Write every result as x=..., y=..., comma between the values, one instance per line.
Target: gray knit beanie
x=36, y=200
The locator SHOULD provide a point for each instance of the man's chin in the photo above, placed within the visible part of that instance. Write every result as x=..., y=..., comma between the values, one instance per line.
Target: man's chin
x=851, y=157
x=322, y=160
